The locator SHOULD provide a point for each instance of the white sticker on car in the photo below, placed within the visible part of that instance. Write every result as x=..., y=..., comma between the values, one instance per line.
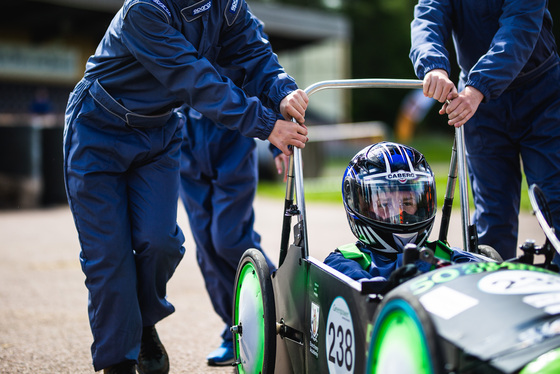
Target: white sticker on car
x=314, y=341
x=519, y=282
x=446, y=302
x=340, y=338
x=549, y=302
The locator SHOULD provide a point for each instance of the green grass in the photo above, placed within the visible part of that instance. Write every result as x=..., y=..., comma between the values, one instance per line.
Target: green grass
x=327, y=188
x=317, y=190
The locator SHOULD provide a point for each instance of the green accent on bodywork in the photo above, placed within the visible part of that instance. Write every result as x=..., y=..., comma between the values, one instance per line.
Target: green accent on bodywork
x=399, y=329
x=352, y=252
x=548, y=363
x=441, y=250
x=249, y=282
x=369, y=330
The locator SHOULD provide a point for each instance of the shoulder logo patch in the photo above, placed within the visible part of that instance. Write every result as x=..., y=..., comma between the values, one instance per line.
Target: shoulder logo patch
x=162, y=6
x=233, y=7
x=232, y=11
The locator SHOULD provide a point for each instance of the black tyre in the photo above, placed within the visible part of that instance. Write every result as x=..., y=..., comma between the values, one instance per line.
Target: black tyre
x=254, y=316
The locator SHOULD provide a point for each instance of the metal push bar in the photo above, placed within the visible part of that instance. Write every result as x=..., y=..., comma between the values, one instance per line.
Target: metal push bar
x=298, y=164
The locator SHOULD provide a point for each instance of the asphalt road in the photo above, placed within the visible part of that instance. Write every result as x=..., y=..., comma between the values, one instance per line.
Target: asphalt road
x=43, y=300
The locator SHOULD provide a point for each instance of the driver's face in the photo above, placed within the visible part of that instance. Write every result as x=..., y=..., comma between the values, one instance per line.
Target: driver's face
x=390, y=204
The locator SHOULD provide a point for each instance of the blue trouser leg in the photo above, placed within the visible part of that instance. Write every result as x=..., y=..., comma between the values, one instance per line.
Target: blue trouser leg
x=523, y=123
x=218, y=184
x=540, y=151
x=494, y=168
x=156, y=237
x=122, y=186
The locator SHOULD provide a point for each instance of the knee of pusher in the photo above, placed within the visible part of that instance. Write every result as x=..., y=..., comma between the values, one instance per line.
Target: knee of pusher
x=229, y=246
x=224, y=241
x=170, y=245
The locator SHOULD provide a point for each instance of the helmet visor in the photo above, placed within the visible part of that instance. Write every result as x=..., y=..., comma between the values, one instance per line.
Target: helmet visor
x=395, y=198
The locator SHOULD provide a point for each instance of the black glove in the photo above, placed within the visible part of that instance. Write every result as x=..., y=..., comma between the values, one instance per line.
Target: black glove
x=401, y=275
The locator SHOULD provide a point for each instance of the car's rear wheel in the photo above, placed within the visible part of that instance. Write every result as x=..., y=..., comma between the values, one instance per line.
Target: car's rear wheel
x=254, y=315
x=403, y=339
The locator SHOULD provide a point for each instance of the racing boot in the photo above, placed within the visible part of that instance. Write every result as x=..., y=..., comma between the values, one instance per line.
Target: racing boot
x=222, y=356
x=153, y=358
x=125, y=367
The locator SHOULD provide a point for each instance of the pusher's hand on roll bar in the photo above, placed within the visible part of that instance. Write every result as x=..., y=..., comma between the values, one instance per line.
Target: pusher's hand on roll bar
x=461, y=108
x=294, y=106
x=286, y=132
x=438, y=86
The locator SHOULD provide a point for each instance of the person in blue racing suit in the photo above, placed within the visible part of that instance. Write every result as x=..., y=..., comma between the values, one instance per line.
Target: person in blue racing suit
x=219, y=176
x=508, y=96
x=122, y=153
x=389, y=194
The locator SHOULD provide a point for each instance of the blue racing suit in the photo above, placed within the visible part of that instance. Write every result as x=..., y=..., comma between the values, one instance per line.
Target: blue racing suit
x=219, y=177
x=506, y=50
x=122, y=147
x=360, y=261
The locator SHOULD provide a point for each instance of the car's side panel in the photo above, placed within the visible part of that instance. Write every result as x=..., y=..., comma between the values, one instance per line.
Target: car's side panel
x=289, y=284
x=337, y=321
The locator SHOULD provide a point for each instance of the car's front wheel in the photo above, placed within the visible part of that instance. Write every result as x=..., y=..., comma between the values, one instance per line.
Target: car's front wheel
x=403, y=340
x=254, y=315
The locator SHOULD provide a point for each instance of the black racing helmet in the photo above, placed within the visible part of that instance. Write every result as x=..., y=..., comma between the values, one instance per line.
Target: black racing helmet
x=389, y=194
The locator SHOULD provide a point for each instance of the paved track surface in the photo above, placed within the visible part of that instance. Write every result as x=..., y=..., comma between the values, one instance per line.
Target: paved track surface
x=43, y=300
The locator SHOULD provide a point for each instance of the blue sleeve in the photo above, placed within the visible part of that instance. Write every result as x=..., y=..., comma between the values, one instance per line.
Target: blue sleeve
x=518, y=30
x=175, y=63
x=430, y=30
x=271, y=147
x=520, y=26
x=246, y=46
x=346, y=266
x=274, y=150
x=458, y=256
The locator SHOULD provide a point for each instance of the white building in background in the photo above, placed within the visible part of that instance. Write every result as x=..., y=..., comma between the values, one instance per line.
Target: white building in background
x=47, y=42
x=318, y=48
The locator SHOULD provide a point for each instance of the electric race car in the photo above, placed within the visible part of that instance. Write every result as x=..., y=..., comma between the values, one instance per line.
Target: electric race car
x=483, y=317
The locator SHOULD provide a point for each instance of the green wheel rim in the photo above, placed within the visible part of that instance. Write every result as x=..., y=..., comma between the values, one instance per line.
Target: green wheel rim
x=399, y=344
x=547, y=363
x=250, y=308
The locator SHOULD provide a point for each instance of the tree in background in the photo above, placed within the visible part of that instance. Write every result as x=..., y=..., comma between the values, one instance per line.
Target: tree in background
x=380, y=46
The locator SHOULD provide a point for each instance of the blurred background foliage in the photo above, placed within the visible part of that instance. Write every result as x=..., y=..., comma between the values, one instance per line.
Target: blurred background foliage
x=379, y=49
